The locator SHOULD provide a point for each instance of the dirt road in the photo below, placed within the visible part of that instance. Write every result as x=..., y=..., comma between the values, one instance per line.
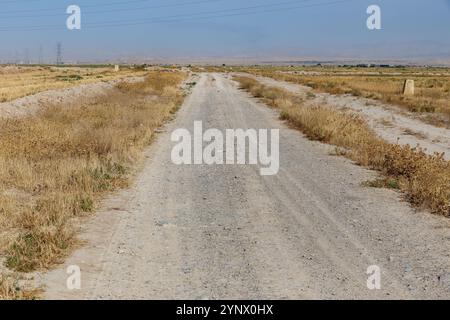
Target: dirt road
x=226, y=232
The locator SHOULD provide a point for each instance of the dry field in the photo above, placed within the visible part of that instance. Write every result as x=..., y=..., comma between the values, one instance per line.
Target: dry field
x=432, y=96
x=56, y=165
x=425, y=179
x=17, y=82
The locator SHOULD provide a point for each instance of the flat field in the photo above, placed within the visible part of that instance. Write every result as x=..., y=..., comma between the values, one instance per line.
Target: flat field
x=20, y=81
x=432, y=85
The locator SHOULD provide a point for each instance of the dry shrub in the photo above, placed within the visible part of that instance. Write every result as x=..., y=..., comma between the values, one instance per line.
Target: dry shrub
x=55, y=166
x=424, y=178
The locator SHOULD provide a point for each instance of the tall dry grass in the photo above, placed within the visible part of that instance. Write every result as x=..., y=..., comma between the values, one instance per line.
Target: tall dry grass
x=424, y=179
x=432, y=91
x=56, y=165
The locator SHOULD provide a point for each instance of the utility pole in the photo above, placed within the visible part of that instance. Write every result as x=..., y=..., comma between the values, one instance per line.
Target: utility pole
x=59, y=54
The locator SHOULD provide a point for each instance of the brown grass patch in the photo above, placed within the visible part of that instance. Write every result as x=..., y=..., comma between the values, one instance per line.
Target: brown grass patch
x=432, y=91
x=11, y=288
x=17, y=82
x=56, y=165
x=425, y=179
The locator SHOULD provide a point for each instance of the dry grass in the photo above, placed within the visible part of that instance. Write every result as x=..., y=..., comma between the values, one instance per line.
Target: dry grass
x=54, y=168
x=432, y=90
x=17, y=82
x=423, y=178
x=12, y=289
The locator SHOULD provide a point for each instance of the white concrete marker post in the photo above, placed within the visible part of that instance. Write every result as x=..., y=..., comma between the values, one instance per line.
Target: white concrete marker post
x=116, y=68
x=408, y=88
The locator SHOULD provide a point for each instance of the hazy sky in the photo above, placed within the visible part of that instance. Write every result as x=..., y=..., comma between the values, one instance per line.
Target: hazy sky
x=225, y=28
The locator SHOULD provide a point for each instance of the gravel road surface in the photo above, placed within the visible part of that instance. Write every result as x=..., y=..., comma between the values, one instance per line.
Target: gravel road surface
x=226, y=232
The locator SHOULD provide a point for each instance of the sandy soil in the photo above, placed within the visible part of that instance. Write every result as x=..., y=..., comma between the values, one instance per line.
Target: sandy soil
x=226, y=232
x=389, y=122
x=29, y=105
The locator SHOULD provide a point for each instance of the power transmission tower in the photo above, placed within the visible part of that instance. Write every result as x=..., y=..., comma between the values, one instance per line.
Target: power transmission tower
x=40, y=58
x=59, y=54
x=26, y=59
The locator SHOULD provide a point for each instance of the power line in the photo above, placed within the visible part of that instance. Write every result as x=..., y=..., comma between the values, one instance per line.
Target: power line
x=15, y=1
x=184, y=17
x=193, y=15
x=202, y=13
x=170, y=19
x=251, y=7
x=173, y=5
x=110, y=4
x=164, y=20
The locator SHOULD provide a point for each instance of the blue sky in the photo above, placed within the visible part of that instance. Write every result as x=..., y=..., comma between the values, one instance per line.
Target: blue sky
x=225, y=28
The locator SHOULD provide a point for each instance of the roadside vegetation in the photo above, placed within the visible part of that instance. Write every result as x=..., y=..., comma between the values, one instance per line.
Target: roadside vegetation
x=12, y=288
x=56, y=165
x=432, y=86
x=20, y=81
x=424, y=179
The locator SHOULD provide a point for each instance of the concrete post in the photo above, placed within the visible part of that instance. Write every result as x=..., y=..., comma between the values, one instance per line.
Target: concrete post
x=408, y=88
